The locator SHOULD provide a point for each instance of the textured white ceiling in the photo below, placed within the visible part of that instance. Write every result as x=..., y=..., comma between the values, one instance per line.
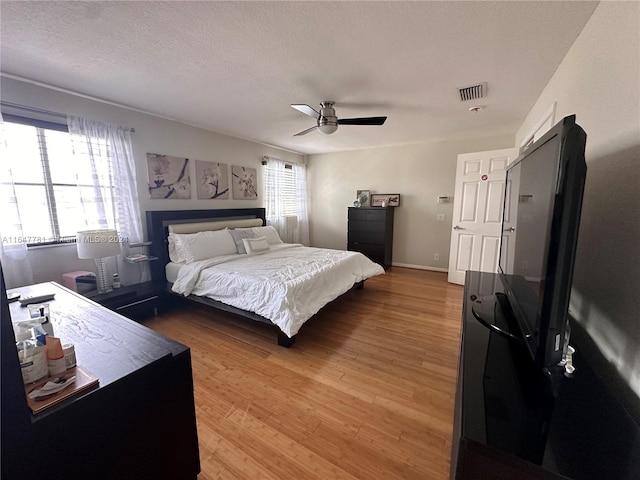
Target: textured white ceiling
x=235, y=67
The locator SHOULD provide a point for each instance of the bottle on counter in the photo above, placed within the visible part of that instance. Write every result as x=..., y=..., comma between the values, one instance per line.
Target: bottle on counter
x=32, y=356
x=116, y=281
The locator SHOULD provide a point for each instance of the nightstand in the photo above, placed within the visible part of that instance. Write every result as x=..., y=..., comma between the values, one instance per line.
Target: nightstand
x=133, y=301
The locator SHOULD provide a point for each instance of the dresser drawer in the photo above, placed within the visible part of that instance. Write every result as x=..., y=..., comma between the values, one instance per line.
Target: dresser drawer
x=366, y=248
x=370, y=237
x=138, y=308
x=368, y=214
x=364, y=226
x=375, y=253
x=133, y=301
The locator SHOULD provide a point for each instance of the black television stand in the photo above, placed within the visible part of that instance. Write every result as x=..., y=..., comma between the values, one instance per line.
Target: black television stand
x=512, y=421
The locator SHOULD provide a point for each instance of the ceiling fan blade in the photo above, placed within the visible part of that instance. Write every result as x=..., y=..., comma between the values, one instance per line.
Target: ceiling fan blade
x=306, y=109
x=362, y=121
x=304, y=132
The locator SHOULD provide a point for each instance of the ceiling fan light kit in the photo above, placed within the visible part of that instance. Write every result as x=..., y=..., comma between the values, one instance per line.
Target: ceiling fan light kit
x=328, y=128
x=327, y=122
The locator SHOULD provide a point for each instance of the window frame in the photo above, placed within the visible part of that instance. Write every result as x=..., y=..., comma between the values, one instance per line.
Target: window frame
x=48, y=184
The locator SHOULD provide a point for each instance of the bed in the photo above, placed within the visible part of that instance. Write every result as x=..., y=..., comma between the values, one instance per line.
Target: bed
x=230, y=260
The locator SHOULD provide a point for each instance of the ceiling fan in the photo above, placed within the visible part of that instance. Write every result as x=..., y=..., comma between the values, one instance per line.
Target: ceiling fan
x=327, y=120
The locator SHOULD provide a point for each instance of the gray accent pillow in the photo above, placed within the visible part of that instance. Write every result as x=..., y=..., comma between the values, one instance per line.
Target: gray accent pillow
x=239, y=234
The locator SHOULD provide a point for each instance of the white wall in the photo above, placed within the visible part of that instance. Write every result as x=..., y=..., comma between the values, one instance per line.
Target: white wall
x=420, y=173
x=154, y=135
x=599, y=81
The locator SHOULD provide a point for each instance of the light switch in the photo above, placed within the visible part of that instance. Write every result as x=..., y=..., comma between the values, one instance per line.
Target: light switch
x=440, y=217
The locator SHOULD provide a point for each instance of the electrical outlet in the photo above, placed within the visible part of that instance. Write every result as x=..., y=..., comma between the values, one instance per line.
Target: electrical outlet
x=436, y=257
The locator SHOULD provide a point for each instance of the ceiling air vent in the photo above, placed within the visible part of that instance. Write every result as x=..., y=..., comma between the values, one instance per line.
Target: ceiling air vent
x=473, y=92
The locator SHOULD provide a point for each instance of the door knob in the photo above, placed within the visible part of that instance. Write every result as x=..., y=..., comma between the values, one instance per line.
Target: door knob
x=510, y=229
x=456, y=227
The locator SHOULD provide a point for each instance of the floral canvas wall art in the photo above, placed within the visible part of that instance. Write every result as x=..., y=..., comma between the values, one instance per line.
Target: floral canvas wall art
x=168, y=176
x=245, y=183
x=212, y=180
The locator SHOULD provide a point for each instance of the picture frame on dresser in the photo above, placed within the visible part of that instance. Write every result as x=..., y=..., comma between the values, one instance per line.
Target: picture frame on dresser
x=385, y=200
x=363, y=196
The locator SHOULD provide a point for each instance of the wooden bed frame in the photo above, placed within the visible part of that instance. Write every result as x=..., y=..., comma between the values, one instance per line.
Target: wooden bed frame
x=158, y=231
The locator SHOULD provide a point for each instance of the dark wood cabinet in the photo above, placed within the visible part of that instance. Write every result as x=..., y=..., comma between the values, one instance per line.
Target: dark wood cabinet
x=139, y=423
x=511, y=421
x=370, y=231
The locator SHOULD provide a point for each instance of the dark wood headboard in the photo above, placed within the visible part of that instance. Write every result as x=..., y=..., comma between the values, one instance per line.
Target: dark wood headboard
x=159, y=220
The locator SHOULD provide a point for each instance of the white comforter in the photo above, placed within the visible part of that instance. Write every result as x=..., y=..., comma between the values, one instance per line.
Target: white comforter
x=287, y=284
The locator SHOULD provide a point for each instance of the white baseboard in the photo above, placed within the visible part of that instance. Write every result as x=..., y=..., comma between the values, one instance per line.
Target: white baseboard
x=420, y=267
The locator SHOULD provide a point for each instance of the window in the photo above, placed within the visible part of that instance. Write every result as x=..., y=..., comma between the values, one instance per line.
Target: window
x=50, y=187
x=283, y=181
x=285, y=199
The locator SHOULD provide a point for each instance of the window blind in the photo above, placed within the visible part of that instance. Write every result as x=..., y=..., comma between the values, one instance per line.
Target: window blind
x=283, y=181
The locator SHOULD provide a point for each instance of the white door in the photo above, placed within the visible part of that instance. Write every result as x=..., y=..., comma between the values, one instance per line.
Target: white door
x=477, y=212
x=510, y=215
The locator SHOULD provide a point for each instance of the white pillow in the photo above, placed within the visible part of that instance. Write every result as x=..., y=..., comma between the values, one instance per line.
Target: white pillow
x=192, y=247
x=270, y=233
x=239, y=234
x=176, y=254
x=255, y=245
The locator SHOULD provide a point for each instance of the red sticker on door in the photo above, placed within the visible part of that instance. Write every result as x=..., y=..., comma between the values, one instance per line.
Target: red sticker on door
x=484, y=177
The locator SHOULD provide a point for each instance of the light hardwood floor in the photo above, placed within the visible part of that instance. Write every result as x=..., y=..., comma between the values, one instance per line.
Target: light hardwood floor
x=366, y=392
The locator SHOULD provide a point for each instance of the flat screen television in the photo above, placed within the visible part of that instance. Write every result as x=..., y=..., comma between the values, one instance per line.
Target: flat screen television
x=542, y=203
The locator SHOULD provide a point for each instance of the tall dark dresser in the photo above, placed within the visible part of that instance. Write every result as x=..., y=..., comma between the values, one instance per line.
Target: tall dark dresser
x=370, y=231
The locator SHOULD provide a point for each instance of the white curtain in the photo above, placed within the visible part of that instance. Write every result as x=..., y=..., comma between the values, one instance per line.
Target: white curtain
x=13, y=246
x=285, y=194
x=97, y=141
x=274, y=185
x=301, y=234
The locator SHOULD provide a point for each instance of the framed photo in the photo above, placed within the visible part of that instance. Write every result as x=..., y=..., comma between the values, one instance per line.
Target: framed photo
x=212, y=180
x=389, y=199
x=245, y=183
x=168, y=176
x=363, y=197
